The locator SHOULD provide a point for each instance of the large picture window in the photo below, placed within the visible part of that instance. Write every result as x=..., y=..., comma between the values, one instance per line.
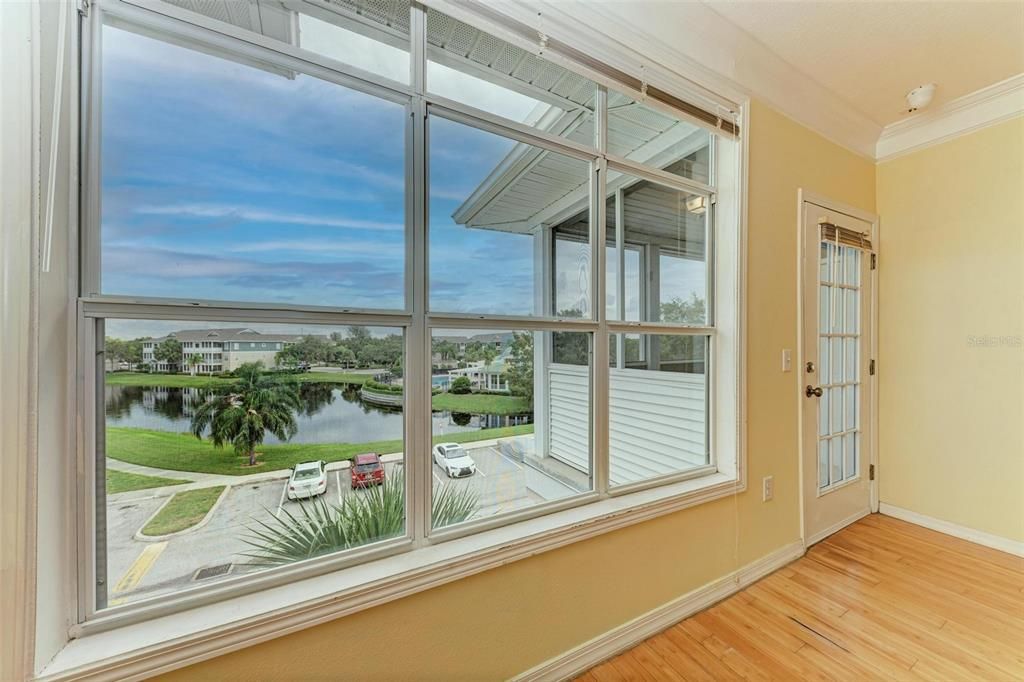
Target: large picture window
x=362, y=278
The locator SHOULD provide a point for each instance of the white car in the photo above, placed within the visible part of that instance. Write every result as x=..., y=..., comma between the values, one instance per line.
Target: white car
x=455, y=461
x=308, y=479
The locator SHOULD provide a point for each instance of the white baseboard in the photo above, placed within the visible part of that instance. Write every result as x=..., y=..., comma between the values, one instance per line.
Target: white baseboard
x=603, y=647
x=957, y=531
x=835, y=528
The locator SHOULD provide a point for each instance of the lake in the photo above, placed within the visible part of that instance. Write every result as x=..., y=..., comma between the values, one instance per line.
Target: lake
x=330, y=414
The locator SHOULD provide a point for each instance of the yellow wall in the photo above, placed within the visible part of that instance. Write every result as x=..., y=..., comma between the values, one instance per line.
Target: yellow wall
x=951, y=407
x=496, y=624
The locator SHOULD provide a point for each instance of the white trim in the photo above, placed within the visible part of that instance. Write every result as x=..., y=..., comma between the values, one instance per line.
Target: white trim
x=587, y=655
x=979, y=537
x=178, y=639
x=991, y=105
x=836, y=527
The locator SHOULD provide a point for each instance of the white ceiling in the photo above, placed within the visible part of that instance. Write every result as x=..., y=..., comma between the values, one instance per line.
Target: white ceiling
x=872, y=53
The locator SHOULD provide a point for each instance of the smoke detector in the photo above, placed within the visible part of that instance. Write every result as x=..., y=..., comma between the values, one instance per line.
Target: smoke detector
x=920, y=97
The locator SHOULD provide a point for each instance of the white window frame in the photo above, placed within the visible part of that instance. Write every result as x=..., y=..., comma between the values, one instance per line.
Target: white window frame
x=209, y=622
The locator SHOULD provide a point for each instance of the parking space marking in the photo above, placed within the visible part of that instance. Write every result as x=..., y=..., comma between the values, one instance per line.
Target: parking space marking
x=140, y=567
x=434, y=472
x=280, y=504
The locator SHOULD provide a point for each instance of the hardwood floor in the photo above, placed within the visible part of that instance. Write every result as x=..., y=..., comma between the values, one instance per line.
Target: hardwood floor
x=881, y=599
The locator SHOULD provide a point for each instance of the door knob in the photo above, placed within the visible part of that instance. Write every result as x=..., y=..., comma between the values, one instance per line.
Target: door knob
x=813, y=391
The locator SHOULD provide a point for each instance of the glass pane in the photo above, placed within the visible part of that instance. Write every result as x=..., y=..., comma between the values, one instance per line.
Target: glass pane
x=837, y=360
x=656, y=138
x=824, y=309
x=491, y=199
x=216, y=186
x=669, y=227
x=822, y=463
x=851, y=265
x=850, y=401
x=836, y=315
x=374, y=38
x=823, y=360
x=851, y=311
x=835, y=400
x=511, y=425
x=850, y=452
x=658, y=410
x=572, y=277
x=322, y=432
x=823, y=272
x=835, y=447
x=473, y=67
x=850, y=363
x=823, y=413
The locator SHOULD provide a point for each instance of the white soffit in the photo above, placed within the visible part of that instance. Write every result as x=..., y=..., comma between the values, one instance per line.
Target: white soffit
x=988, y=106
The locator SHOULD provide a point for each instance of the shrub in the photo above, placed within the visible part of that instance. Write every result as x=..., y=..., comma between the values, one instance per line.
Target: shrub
x=461, y=385
x=383, y=388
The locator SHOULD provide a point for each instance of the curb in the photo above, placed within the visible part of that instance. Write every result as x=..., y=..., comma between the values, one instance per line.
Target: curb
x=206, y=519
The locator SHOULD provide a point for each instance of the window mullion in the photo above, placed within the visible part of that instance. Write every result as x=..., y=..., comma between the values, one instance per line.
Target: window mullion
x=599, y=363
x=417, y=373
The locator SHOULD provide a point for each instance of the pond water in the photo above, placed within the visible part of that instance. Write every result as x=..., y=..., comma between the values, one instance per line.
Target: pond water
x=330, y=414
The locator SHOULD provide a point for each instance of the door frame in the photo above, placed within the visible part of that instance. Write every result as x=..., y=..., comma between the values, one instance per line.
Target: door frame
x=805, y=196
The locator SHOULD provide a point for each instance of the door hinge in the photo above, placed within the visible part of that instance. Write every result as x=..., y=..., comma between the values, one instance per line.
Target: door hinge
x=874, y=261
x=871, y=472
x=871, y=368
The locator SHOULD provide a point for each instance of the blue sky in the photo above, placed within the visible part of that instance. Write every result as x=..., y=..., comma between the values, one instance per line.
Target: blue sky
x=226, y=181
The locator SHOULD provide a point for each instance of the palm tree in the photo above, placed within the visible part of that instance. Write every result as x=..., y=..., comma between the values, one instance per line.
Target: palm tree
x=194, y=361
x=247, y=411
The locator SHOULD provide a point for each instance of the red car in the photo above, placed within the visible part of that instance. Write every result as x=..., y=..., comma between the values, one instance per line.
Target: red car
x=367, y=470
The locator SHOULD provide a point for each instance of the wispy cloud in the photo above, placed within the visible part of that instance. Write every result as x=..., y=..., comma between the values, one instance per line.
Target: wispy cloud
x=219, y=211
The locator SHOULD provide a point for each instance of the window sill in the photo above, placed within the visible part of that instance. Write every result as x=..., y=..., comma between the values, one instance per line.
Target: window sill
x=171, y=641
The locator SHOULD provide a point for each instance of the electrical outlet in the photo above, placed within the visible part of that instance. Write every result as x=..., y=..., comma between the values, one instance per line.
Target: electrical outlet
x=768, y=488
x=787, y=360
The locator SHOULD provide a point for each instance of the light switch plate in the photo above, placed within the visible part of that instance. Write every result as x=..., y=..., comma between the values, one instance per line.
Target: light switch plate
x=787, y=360
x=768, y=488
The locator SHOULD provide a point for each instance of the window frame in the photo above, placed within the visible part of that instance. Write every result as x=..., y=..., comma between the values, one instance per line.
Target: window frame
x=415, y=318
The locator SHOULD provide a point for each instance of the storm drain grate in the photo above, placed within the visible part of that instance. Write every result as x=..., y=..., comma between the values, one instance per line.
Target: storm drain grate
x=212, y=572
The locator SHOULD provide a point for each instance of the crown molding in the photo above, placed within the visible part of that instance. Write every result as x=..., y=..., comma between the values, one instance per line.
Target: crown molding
x=994, y=104
x=717, y=61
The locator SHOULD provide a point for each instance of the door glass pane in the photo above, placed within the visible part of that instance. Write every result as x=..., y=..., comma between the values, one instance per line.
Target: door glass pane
x=835, y=448
x=822, y=463
x=850, y=361
x=836, y=407
x=823, y=413
x=850, y=403
x=850, y=452
x=823, y=360
x=837, y=360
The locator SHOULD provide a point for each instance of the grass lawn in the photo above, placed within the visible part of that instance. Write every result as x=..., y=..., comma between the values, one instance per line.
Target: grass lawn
x=122, y=481
x=184, y=510
x=480, y=403
x=184, y=452
x=199, y=381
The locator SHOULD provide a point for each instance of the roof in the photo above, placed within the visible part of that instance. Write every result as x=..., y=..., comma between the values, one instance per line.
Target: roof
x=225, y=335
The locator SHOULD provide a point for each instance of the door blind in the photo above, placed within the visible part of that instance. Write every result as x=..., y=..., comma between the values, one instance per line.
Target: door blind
x=846, y=237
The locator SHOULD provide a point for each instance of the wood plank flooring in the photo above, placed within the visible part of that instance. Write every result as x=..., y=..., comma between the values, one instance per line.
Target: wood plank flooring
x=881, y=599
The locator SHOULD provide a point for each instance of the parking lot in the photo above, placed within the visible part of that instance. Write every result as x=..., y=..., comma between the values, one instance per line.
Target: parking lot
x=138, y=569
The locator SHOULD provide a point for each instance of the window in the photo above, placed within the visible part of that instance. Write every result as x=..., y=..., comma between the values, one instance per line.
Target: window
x=445, y=296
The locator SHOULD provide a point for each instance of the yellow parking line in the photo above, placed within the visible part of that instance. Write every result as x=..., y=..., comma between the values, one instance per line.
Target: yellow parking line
x=140, y=567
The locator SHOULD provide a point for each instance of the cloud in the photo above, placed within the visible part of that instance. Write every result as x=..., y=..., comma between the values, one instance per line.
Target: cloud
x=263, y=216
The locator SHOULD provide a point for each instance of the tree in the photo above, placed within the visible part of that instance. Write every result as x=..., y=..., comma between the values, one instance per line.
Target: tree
x=244, y=413
x=460, y=385
x=168, y=351
x=114, y=349
x=691, y=311
x=133, y=353
x=194, y=361
x=488, y=353
x=519, y=367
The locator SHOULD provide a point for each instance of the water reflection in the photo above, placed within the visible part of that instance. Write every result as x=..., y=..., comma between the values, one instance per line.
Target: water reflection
x=329, y=414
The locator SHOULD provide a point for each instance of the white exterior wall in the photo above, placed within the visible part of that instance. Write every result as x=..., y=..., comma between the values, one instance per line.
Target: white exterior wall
x=657, y=421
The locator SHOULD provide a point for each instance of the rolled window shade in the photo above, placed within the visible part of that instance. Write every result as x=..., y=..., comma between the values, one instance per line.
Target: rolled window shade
x=834, y=233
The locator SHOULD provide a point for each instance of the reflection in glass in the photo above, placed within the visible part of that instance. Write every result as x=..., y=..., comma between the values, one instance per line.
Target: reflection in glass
x=316, y=410
x=542, y=454
x=658, y=409
x=653, y=137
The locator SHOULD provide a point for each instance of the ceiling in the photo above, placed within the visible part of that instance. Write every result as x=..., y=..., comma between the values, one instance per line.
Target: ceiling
x=872, y=53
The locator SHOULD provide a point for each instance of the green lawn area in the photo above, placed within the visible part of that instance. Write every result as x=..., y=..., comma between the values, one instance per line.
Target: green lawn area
x=184, y=510
x=123, y=481
x=199, y=381
x=480, y=403
x=184, y=452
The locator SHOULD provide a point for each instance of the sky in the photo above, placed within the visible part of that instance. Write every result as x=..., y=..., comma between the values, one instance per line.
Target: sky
x=226, y=181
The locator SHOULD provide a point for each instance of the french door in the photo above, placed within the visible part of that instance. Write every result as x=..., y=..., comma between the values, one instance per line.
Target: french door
x=837, y=370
